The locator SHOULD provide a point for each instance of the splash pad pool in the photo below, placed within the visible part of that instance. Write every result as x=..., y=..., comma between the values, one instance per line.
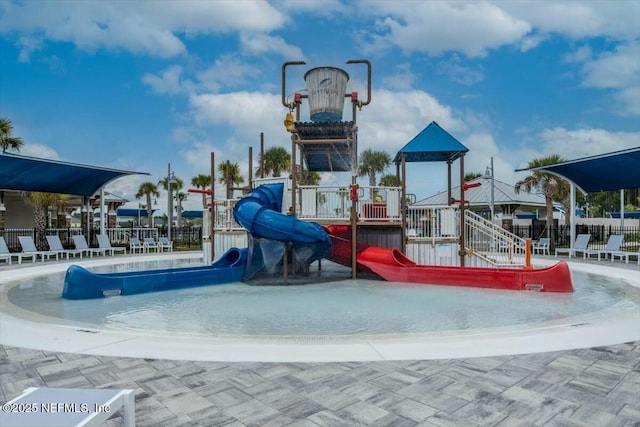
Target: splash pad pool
x=614, y=321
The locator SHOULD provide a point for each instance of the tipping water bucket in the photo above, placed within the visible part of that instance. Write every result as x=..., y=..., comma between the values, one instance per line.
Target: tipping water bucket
x=326, y=88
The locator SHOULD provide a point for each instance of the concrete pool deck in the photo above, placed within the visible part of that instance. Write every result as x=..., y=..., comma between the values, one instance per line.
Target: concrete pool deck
x=22, y=328
x=597, y=384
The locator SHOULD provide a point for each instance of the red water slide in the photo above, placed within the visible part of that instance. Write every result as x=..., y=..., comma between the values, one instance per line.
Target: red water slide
x=393, y=265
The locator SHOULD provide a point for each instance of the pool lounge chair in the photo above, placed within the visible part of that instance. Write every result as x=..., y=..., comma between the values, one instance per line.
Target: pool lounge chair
x=135, y=244
x=105, y=243
x=541, y=246
x=29, y=250
x=55, y=245
x=165, y=243
x=580, y=245
x=150, y=244
x=81, y=244
x=613, y=248
x=5, y=254
x=83, y=407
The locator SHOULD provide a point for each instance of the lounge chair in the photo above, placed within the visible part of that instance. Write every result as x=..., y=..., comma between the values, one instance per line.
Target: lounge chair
x=4, y=251
x=81, y=244
x=82, y=407
x=613, y=248
x=29, y=250
x=105, y=243
x=55, y=245
x=150, y=244
x=165, y=243
x=541, y=246
x=580, y=245
x=135, y=244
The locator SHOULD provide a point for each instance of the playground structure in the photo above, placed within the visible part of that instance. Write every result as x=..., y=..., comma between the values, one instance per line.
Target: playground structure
x=286, y=225
x=377, y=216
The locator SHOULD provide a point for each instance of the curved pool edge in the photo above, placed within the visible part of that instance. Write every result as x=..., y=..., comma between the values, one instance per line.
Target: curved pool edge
x=20, y=328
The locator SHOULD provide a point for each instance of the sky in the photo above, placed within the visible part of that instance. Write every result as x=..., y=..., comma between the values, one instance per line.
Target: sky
x=137, y=85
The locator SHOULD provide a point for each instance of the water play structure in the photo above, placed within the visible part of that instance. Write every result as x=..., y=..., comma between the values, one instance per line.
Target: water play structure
x=260, y=213
x=288, y=225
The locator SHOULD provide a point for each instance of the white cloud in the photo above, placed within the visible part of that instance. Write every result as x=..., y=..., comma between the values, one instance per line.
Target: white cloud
x=618, y=70
x=579, y=19
x=459, y=73
x=169, y=81
x=401, y=79
x=434, y=27
x=150, y=27
x=574, y=144
x=260, y=44
x=227, y=72
x=40, y=151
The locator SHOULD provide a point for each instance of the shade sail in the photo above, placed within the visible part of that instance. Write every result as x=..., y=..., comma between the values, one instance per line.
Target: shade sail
x=617, y=170
x=22, y=173
x=433, y=144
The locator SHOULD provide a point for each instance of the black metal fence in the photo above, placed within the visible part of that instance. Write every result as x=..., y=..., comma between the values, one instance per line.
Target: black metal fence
x=599, y=234
x=184, y=238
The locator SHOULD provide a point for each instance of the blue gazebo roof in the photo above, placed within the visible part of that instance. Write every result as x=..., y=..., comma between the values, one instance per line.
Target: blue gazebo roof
x=433, y=144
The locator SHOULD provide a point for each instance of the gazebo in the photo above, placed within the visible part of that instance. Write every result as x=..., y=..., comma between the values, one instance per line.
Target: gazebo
x=434, y=144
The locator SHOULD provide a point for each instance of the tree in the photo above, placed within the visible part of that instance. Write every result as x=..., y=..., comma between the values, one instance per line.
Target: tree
x=40, y=203
x=147, y=189
x=202, y=181
x=371, y=163
x=470, y=176
x=229, y=175
x=549, y=185
x=389, y=180
x=276, y=160
x=8, y=142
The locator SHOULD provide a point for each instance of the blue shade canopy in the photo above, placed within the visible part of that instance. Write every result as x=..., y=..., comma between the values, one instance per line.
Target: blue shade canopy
x=618, y=170
x=192, y=214
x=22, y=173
x=433, y=144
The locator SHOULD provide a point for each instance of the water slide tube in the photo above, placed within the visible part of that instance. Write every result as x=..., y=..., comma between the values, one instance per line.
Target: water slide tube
x=259, y=212
x=80, y=283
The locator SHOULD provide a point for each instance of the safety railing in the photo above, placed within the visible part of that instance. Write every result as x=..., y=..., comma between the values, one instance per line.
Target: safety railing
x=493, y=243
x=223, y=215
x=432, y=223
x=333, y=203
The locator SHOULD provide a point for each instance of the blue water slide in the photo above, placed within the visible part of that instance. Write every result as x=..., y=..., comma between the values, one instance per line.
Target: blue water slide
x=80, y=283
x=259, y=212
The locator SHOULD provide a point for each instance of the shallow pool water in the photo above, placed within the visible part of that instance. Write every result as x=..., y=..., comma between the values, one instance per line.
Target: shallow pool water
x=345, y=307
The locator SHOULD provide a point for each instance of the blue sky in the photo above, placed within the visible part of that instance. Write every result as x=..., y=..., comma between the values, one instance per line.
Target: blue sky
x=138, y=84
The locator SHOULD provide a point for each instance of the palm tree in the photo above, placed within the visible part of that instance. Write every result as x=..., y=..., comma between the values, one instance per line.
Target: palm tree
x=371, y=163
x=40, y=203
x=148, y=189
x=230, y=176
x=548, y=184
x=389, y=180
x=202, y=181
x=8, y=142
x=276, y=160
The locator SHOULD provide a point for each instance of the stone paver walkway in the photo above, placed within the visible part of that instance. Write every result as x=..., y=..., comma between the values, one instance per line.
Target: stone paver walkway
x=587, y=387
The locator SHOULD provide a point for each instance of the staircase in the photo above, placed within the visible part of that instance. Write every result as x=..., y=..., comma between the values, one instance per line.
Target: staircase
x=492, y=244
